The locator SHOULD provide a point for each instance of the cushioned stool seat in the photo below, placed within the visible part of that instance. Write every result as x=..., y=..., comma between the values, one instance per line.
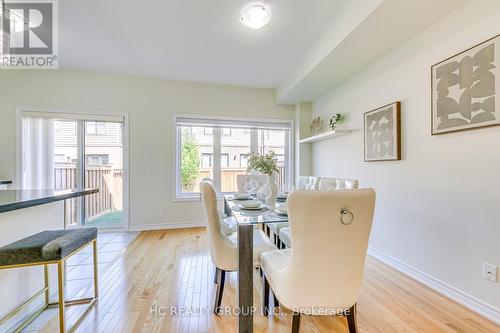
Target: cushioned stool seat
x=46, y=246
x=44, y=249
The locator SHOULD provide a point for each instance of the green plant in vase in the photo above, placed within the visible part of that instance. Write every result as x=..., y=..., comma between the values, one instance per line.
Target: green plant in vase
x=266, y=164
x=337, y=118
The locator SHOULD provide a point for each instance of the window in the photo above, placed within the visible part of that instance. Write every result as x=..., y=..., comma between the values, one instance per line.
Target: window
x=195, y=154
x=224, y=160
x=90, y=128
x=206, y=161
x=95, y=128
x=243, y=160
x=97, y=159
x=101, y=128
x=218, y=149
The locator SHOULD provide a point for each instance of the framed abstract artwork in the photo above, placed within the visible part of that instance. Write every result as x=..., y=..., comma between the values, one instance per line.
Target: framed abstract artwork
x=382, y=129
x=464, y=89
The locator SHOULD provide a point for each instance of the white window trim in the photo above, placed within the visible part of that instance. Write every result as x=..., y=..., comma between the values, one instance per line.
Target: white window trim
x=82, y=114
x=181, y=197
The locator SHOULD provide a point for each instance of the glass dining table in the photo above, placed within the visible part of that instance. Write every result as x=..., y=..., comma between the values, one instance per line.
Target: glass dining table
x=247, y=220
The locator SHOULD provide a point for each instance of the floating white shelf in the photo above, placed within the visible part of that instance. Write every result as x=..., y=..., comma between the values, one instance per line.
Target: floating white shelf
x=326, y=135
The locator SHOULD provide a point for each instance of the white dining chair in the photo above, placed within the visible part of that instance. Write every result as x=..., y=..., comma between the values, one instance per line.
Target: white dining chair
x=223, y=247
x=276, y=228
x=311, y=277
x=351, y=184
x=327, y=184
x=284, y=240
x=313, y=183
x=308, y=183
x=241, y=179
x=331, y=184
x=302, y=182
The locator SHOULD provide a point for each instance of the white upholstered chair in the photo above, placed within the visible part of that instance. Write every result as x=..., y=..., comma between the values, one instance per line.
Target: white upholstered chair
x=313, y=183
x=223, y=247
x=228, y=223
x=302, y=182
x=307, y=183
x=284, y=239
x=241, y=179
x=330, y=184
x=325, y=184
x=312, y=276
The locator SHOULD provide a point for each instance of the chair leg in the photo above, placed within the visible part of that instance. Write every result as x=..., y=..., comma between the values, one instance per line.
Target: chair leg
x=352, y=320
x=295, y=322
x=216, y=275
x=275, y=300
x=220, y=290
x=265, y=296
x=46, y=283
x=60, y=283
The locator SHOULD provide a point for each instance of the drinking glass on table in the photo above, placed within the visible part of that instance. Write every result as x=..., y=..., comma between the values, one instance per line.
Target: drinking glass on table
x=250, y=186
x=267, y=192
x=260, y=194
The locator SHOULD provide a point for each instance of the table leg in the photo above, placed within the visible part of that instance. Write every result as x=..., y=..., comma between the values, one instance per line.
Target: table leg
x=227, y=209
x=245, y=277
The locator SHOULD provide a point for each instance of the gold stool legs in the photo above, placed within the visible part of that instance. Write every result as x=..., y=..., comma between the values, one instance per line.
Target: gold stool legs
x=60, y=284
x=46, y=282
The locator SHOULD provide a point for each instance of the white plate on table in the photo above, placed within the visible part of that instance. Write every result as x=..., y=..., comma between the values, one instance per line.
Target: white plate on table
x=281, y=211
x=258, y=207
x=241, y=196
x=282, y=196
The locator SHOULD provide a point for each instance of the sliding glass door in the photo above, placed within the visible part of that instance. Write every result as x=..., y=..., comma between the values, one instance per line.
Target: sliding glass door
x=103, y=168
x=68, y=151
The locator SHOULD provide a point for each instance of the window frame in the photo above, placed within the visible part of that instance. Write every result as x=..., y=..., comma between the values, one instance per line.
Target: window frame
x=217, y=134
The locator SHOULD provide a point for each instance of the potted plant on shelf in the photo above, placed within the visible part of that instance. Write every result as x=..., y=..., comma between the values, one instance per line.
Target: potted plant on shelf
x=337, y=118
x=266, y=164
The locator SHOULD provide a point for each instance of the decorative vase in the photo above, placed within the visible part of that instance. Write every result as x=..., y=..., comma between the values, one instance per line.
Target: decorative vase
x=271, y=182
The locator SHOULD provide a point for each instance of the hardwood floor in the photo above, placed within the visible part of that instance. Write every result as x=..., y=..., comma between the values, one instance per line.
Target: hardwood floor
x=172, y=268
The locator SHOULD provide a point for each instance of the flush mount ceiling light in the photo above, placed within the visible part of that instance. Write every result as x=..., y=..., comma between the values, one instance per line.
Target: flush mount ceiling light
x=256, y=15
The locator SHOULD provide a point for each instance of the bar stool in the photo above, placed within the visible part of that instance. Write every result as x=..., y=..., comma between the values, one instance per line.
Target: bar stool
x=46, y=248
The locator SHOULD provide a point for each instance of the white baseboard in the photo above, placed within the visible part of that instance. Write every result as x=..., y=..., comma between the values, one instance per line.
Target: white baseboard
x=484, y=309
x=160, y=226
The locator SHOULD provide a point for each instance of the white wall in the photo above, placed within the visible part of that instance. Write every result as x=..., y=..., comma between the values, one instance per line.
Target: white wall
x=150, y=104
x=438, y=209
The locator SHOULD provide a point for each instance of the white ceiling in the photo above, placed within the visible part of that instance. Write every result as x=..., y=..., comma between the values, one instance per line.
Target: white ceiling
x=373, y=26
x=190, y=40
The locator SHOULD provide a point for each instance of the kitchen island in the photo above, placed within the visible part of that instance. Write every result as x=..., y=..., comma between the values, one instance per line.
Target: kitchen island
x=4, y=184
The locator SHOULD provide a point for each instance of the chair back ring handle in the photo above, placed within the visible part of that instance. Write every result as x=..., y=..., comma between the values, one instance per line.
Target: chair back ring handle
x=346, y=217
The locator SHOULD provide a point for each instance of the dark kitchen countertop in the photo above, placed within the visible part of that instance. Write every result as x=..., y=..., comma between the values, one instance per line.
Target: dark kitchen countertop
x=18, y=199
x=5, y=182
